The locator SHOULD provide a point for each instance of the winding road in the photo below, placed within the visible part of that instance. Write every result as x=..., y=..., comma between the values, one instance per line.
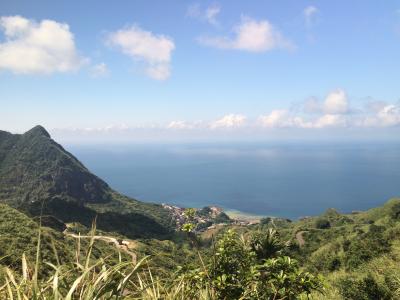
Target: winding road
x=123, y=246
x=300, y=238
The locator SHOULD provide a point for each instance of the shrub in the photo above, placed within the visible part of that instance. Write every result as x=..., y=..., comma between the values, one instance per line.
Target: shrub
x=365, y=247
x=280, y=278
x=265, y=221
x=366, y=288
x=395, y=211
x=235, y=272
x=322, y=223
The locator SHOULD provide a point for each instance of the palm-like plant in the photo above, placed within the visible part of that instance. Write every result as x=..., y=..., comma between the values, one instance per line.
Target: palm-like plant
x=266, y=244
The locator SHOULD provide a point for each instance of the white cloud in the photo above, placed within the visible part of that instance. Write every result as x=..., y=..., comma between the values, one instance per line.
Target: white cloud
x=179, y=125
x=99, y=70
x=212, y=13
x=159, y=71
x=389, y=115
x=112, y=128
x=154, y=50
x=309, y=14
x=282, y=118
x=375, y=106
x=330, y=113
x=229, y=121
x=278, y=118
x=209, y=15
x=336, y=102
x=334, y=113
x=312, y=106
x=250, y=35
x=31, y=47
x=386, y=116
x=329, y=120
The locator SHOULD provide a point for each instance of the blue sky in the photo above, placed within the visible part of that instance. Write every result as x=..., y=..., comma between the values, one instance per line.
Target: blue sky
x=209, y=68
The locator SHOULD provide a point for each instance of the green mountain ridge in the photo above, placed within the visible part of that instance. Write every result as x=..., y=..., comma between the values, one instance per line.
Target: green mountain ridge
x=38, y=176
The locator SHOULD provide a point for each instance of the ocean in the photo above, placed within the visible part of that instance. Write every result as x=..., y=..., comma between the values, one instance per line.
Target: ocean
x=289, y=180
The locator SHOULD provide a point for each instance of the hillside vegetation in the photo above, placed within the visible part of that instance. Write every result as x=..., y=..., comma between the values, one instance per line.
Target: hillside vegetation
x=38, y=176
x=65, y=234
x=358, y=254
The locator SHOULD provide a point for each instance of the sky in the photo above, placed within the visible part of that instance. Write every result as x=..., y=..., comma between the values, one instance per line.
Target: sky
x=149, y=70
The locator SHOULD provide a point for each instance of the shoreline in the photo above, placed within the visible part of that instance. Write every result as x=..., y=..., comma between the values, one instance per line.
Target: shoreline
x=242, y=216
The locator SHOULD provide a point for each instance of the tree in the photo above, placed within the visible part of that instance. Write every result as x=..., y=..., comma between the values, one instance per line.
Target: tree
x=230, y=266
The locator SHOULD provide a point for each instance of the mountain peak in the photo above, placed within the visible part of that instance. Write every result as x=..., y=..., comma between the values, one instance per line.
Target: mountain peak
x=38, y=130
x=38, y=176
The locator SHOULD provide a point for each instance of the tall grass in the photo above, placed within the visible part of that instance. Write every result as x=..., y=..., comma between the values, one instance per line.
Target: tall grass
x=86, y=278
x=89, y=278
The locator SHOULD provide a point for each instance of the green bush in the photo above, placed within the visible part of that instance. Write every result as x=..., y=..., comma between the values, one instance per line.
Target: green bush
x=365, y=247
x=395, y=211
x=322, y=223
x=366, y=288
x=235, y=271
x=266, y=221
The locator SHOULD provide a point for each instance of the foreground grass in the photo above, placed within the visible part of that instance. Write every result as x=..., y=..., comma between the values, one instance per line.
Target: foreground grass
x=238, y=269
x=85, y=278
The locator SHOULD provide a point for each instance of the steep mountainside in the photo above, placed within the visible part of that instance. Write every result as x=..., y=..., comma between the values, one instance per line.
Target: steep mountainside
x=38, y=175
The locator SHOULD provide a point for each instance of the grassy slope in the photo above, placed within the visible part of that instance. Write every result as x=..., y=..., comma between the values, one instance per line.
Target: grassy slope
x=355, y=252
x=354, y=246
x=19, y=235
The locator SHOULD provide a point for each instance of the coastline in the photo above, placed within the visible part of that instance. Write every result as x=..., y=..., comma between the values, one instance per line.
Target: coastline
x=242, y=216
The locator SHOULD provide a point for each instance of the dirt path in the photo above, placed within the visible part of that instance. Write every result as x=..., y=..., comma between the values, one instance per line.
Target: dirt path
x=124, y=246
x=300, y=238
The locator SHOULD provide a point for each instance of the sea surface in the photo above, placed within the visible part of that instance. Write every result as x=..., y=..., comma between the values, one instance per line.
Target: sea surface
x=282, y=179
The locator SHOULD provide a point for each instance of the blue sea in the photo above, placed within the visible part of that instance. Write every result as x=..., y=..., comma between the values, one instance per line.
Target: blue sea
x=272, y=179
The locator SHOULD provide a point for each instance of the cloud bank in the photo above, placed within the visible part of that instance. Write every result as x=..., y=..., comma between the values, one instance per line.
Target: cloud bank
x=334, y=112
x=314, y=117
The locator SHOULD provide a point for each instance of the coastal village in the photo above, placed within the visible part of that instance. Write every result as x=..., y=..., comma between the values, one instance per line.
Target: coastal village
x=206, y=218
